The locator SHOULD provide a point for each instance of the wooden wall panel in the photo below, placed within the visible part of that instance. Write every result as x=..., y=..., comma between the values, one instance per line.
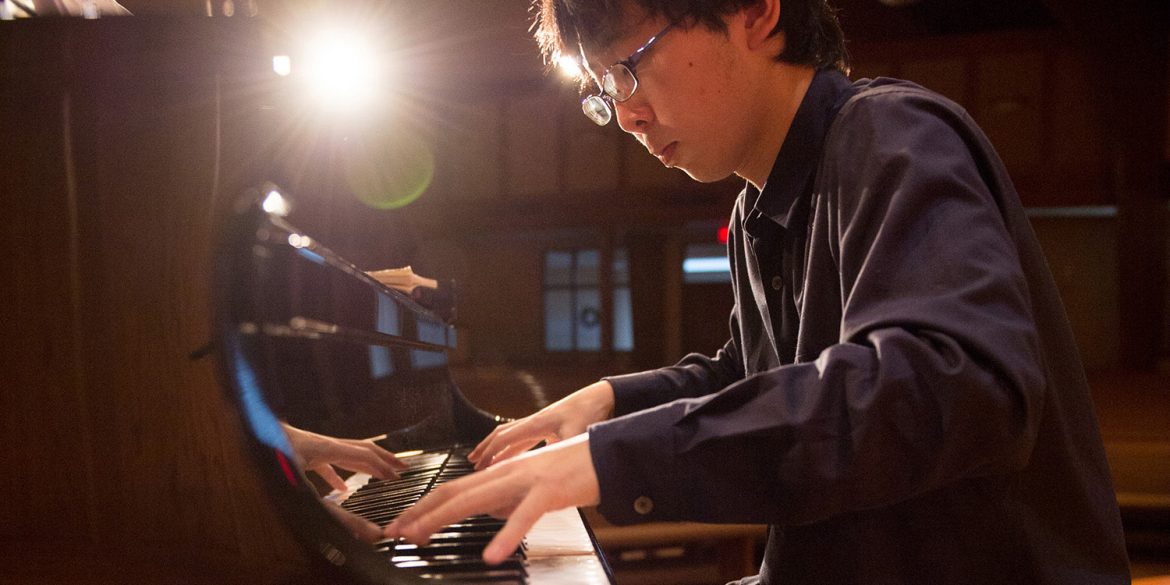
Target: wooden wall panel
x=532, y=141
x=502, y=299
x=41, y=404
x=1082, y=255
x=1008, y=105
x=1027, y=90
x=948, y=76
x=872, y=66
x=121, y=440
x=470, y=163
x=592, y=159
x=1078, y=168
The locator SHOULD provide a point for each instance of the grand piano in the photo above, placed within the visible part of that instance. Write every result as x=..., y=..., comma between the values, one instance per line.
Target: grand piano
x=134, y=454
x=307, y=339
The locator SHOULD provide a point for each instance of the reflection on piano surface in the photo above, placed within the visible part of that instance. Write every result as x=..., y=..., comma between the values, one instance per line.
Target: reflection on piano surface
x=306, y=338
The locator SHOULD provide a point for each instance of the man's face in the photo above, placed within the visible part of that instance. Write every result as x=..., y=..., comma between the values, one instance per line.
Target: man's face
x=684, y=110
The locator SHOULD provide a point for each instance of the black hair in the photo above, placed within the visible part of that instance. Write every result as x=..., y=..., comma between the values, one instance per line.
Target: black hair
x=812, y=34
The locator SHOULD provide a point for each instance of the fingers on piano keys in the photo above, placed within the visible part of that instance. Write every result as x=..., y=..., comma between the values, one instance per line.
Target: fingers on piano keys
x=454, y=552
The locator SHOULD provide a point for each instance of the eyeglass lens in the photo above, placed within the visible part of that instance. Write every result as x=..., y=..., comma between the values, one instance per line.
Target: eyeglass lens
x=597, y=110
x=619, y=82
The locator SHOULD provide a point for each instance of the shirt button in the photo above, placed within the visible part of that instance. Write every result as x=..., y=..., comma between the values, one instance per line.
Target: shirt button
x=643, y=505
x=777, y=283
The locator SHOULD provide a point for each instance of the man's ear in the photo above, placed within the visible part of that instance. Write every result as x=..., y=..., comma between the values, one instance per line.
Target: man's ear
x=759, y=19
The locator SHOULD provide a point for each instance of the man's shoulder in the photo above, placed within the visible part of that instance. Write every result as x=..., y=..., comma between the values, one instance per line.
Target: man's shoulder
x=886, y=108
x=887, y=96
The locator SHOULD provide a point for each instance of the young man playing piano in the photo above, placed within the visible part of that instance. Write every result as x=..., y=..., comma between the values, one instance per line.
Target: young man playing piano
x=900, y=398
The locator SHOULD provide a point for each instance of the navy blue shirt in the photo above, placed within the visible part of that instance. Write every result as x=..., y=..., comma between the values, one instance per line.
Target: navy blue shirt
x=901, y=398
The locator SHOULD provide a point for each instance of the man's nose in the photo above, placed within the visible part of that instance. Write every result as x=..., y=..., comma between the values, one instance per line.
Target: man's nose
x=635, y=114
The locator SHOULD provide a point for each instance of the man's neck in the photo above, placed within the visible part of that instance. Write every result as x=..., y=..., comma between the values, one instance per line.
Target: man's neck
x=777, y=102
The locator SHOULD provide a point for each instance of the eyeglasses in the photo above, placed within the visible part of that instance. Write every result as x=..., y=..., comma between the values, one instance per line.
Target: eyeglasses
x=618, y=84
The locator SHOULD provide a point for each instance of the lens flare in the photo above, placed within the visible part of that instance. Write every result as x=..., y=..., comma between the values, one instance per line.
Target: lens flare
x=390, y=170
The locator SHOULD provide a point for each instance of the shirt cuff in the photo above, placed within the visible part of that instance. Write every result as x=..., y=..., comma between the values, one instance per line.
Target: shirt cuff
x=636, y=392
x=634, y=458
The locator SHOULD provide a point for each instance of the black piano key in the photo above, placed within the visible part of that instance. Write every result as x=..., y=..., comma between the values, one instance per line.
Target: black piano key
x=384, y=500
x=370, y=497
x=469, y=548
x=461, y=564
x=410, y=560
x=420, y=471
x=476, y=578
x=481, y=527
x=381, y=485
x=391, y=490
x=390, y=484
x=481, y=538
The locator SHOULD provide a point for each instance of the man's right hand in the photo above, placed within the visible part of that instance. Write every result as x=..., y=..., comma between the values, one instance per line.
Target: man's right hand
x=567, y=417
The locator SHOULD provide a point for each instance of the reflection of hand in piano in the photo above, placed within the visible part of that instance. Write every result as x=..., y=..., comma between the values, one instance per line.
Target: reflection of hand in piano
x=522, y=489
x=320, y=453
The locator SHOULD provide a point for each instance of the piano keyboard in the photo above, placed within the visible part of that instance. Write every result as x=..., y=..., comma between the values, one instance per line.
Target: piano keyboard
x=558, y=549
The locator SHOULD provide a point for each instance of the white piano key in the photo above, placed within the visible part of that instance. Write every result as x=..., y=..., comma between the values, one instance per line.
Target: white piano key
x=566, y=570
x=561, y=552
x=559, y=533
x=352, y=484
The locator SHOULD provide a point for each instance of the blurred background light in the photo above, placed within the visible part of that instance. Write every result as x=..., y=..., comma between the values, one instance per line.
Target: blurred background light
x=282, y=65
x=570, y=67
x=275, y=203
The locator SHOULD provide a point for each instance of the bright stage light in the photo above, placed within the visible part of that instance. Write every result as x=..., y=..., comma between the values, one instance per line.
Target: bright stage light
x=343, y=71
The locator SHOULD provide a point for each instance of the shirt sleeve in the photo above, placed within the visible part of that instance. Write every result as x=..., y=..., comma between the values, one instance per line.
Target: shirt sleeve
x=936, y=376
x=695, y=375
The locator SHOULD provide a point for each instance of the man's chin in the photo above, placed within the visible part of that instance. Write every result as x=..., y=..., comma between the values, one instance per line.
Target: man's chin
x=704, y=175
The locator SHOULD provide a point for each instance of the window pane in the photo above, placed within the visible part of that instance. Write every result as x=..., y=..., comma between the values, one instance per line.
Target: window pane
x=588, y=319
x=588, y=263
x=623, y=320
x=558, y=320
x=558, y=268
x=621, y=267
x=706, y=263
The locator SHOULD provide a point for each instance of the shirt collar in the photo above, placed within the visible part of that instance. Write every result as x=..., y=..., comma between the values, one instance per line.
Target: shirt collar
x=801, y=151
